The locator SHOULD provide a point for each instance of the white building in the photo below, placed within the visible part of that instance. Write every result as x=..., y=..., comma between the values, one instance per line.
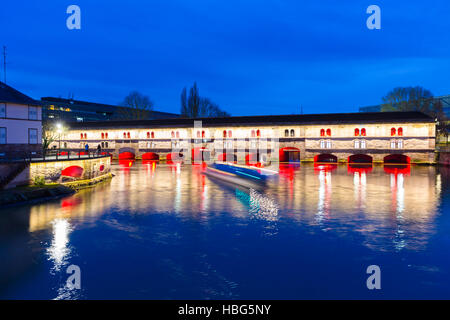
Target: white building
x=20, y=124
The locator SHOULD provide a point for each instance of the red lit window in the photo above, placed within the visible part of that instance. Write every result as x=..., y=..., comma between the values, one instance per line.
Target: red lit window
x=153, y=135
x=148, y=135
x=392, y=131
x=128, y=135
x=363, y=132
x=103, y=135
x=81, y=136
x=400, y=131
x=329, y=132
x=258, y=133
x=322, y=132
x=124, y=134
x=224, y=133
x=198, y=134
x=253, y=133
x=172, y=134
x=85, y=136
x=203, y=134
x=230, y=134
x=356, y=132
x=178, y=134
x=106, y=135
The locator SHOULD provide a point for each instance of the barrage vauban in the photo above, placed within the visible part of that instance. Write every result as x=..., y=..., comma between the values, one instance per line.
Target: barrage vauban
x=226, y=309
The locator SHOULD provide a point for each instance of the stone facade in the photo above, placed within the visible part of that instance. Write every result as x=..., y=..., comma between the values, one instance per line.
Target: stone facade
x=415, y=139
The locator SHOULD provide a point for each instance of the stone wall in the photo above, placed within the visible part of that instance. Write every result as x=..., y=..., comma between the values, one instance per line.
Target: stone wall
x=69, y=170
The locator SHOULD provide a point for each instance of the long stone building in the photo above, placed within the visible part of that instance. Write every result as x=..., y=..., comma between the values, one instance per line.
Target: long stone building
x=390, y=137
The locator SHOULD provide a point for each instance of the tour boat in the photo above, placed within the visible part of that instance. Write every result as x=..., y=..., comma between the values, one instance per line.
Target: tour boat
x=250, y=177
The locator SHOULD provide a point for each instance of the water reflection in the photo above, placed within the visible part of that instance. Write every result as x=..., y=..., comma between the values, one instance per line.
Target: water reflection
x=383, y=209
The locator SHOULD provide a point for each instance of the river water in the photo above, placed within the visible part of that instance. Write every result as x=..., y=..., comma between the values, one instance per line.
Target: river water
x=160, y=231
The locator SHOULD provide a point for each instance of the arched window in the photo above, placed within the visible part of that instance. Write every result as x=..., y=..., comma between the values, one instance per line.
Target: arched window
x=198, y=134
x=224, y=133
x=178, y=134
x=356, y=144
x=106, y=144
x=103, y=135
x=148, y=135
x=124, y=134
x=322, y=132
x=363, y=144
x=400, y=144
x=400, y=131
x=322, y=144
x=153, y=135
x=392, y=131
x=292, y=133
x=329, y=132
x=286, y=133
x=81, y=136
x=356, y=132
x=103, y=144
x=230, y=134
x=393, y=144
x=363, y=132
x=203, y=134
x=258, y=133
x=85, y=136
x=253, y=134
x=172, y=134
x=106, y=135
x=328, y=144
x=128, y=135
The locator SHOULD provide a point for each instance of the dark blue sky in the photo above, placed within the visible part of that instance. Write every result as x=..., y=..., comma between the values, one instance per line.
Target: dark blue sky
x=250, y=57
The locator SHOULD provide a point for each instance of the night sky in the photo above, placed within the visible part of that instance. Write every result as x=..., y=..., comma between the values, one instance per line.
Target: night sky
x=250, y=57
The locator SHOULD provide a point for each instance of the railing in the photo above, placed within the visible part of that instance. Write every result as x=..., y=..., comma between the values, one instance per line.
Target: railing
x=54, y=155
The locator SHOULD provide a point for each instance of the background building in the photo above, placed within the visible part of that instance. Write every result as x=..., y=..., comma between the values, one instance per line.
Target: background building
x=20, y=124
x=445, y=100
x=69, y=110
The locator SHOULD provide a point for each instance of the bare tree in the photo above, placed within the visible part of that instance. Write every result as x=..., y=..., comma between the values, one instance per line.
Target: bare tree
x=195, y=106
x=412, y=99
x=136, y=106
x=49, y=135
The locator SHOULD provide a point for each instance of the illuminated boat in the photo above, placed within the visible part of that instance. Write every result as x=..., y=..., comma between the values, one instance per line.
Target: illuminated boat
x=249, y=177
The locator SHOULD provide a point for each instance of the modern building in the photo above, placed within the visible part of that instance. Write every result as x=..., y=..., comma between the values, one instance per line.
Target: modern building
x=20, y=124
x=353, y=137
x=445, y=100
x=69, y=110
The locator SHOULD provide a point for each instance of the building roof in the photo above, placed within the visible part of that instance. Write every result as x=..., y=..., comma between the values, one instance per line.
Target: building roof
x=96, y=108
x=334, y=118
x=11, y=95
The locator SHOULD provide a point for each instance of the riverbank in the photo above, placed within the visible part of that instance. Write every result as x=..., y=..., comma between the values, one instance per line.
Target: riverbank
x=48, y=192
x=34, y=194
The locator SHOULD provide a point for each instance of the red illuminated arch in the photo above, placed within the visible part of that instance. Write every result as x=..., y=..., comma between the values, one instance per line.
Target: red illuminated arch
x=360, y=158
x=127, y=155
x=150, y=156
x=397, y=159
x=356, y=132
x=289, y=154
x=325, y=157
